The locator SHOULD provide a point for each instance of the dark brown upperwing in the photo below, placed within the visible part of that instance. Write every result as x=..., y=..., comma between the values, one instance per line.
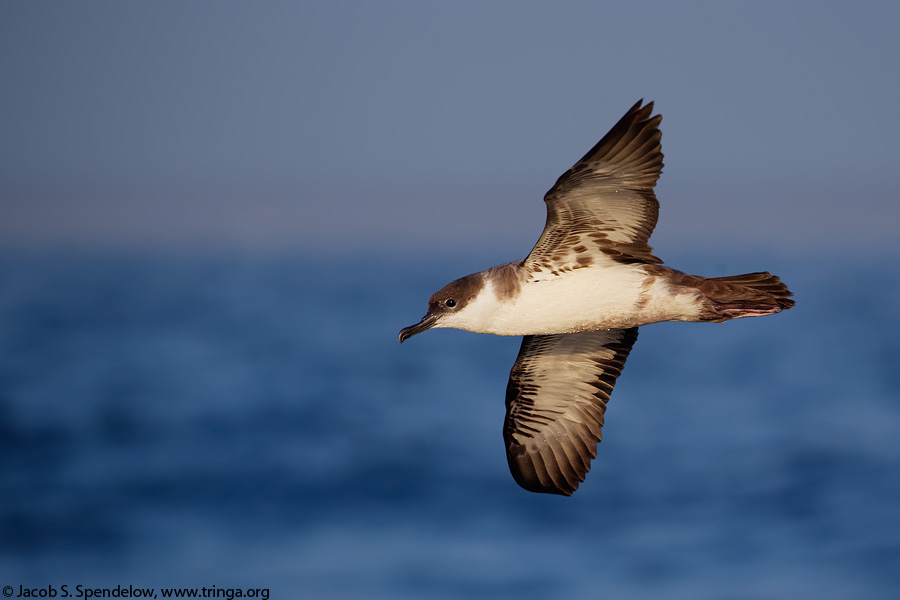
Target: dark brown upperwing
x=555, y=402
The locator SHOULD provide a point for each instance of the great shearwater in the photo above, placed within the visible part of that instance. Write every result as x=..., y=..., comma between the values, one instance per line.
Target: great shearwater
x=579, y=297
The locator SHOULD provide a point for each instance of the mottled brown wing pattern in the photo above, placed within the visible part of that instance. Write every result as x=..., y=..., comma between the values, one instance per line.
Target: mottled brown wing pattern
x=555, y=402
x=604, y=206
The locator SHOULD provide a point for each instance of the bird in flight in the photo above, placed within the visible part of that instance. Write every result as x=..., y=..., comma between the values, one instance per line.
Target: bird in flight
x=578, y=299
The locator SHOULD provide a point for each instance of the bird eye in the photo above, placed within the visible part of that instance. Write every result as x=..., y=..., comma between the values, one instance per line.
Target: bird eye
x=450, y=302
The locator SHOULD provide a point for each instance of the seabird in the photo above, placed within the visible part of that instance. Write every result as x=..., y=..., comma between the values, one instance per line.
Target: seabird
x=578, y=299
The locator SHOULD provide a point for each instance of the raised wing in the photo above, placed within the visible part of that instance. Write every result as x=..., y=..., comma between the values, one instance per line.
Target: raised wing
x=604, y=206
x=555, y=401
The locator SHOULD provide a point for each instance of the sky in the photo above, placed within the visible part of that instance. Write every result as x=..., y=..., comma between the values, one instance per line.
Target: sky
x=423, y=126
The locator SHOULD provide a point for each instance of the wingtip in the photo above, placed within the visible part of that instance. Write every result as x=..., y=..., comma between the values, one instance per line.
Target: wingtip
x=532, y=475
x=645, y=113
x=639, y=106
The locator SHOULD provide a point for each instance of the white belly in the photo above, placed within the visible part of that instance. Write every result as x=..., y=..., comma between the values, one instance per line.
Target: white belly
x=612, y=297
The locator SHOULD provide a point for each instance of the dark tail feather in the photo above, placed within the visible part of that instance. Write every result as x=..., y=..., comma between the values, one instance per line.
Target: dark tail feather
x=764, y=282
x=749, y=295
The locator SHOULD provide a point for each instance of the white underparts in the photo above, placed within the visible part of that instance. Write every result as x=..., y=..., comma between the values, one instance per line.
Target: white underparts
x=613, y=296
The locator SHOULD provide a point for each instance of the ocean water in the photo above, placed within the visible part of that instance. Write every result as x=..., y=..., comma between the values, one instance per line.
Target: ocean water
x=254, y=423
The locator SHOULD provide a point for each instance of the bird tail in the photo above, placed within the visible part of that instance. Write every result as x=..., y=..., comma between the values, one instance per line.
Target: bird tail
x=749, y=295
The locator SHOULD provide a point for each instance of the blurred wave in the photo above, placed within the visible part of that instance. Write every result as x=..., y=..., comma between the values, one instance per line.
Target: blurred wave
x=254, y=422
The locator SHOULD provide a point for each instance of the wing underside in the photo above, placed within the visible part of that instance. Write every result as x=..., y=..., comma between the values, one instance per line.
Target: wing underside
x=604, y=207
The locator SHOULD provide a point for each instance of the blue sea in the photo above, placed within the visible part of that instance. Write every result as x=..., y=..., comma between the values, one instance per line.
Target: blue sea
x=253, y=423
